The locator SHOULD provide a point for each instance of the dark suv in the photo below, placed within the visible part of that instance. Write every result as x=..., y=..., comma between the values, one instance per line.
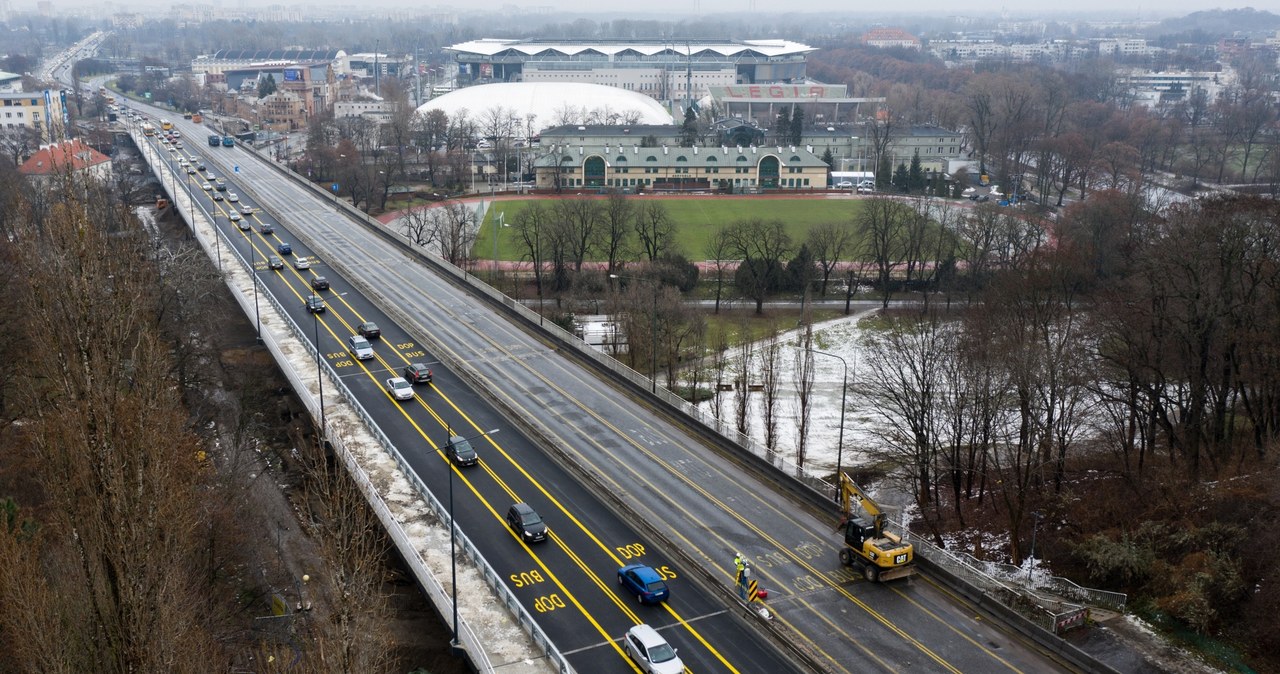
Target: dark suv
x=417, y=373
x=461, y=452
x=369, y=330
x=315, y=304
x=526, y=523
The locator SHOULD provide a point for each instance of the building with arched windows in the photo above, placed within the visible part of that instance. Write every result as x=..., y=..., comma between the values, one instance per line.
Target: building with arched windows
x=632, y=168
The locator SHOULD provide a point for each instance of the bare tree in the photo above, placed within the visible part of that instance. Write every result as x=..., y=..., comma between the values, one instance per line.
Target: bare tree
x=457, y=225
x=760, y=246
x=580, y=219
x=771, y=381
x=531, y=230
x=803, y=375
x=614, y=228
x=881, y=225
x=829, y=242
x=719, y=247
x=655, y=230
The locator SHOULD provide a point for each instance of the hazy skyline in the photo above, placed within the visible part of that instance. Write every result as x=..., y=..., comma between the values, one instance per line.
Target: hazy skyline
x=685, y=9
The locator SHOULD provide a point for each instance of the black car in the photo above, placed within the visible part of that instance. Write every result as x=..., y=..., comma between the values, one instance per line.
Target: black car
x=319, y=283
x=526, y=523
x=461, y=452
x=369, y=330
x=315, y=304
x=417, y=373
x=275, y=262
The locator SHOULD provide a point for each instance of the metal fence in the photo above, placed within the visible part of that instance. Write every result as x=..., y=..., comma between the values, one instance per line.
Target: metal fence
x=442, y=599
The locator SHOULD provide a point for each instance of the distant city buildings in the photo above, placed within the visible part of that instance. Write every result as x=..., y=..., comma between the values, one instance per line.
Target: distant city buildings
x=675, y=70
x=890, y=37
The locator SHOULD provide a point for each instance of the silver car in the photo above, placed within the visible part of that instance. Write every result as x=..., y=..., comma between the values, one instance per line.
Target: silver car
x=359, y=347
x=400, y=388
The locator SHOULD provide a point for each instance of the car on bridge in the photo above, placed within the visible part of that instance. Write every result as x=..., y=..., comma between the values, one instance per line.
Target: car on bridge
x=359, y=347
x=284, y=249
x=319, y=283
x=369, y=330
x=417, y=373
x=274, y=262
x=526, y=523
x=651, y=652
x=315, y=304
x=644, y=582
x=266, y=228
x=302, y=263
x=399, y=388
x=461, y=452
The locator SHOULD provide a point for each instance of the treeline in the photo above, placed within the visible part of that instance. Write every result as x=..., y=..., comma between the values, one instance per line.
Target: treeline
x=1121, y=386
x=129, y=537
x=1049, y=131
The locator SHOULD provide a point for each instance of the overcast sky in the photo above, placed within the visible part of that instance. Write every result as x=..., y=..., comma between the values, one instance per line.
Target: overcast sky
x=684, y=9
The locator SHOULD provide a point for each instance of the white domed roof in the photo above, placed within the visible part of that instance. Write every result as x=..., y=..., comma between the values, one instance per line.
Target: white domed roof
x=553, y=103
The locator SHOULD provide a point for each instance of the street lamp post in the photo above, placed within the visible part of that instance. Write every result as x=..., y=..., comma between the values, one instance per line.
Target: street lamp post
x=257, y=316
x=497, y=230
x=844, y=392
x=453, y=554
x=315, y=323
x=653, y=324
x=1035, y=524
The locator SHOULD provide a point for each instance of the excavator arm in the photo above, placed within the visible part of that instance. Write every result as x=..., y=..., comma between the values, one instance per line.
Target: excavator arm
x=849, y=493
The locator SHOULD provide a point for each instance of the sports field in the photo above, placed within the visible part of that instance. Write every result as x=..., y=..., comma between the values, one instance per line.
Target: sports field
x=696, y=219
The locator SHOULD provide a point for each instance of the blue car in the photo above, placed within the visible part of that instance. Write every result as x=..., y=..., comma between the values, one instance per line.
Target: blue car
x=284, y=249
x=645, y=583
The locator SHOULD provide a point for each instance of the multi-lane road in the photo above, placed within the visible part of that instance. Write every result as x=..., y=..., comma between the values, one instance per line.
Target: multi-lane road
x=616, y=480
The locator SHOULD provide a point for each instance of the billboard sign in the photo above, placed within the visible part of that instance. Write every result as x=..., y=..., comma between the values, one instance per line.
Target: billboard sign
x=293, y=74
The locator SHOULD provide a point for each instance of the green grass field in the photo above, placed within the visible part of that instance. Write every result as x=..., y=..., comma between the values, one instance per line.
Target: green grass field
x=697, y=220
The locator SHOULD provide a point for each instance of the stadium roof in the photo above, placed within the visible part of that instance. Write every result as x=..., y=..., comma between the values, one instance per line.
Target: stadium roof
x=553, y=103
x=277, y=54
x=492, y=46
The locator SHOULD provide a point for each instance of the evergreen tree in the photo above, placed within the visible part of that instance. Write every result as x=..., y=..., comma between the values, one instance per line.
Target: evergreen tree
x=267, y=87
x=828, y=159
x=689, y=130
x=884, y=173
x=915, y=174
x=782, y=125
x=797, y=126
x=901, y=178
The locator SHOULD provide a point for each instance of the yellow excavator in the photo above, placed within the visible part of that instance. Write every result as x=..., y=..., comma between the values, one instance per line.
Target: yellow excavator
x=878, y=554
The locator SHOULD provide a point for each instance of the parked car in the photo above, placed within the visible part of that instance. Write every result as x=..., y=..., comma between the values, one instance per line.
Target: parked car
x=461, y=452
x=274, y=262
x=844, y=184
x=644, y=582
x=369, y=330
x=315, y=304
x=359, y=347
x=651, y=652
x=319, y=283
x=526, y=523
x=399, y=388
x=417, y=373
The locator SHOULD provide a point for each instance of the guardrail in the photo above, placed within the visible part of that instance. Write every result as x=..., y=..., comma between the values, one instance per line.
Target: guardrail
x=427, y=580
